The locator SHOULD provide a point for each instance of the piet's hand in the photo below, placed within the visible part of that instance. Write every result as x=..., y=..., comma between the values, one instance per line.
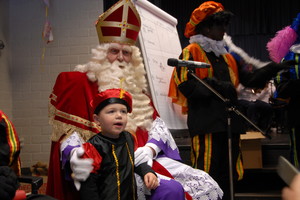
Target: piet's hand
x=275, y=67
x=81, y=167
x=225, y=88
x=143, y=154
x=151, y=181
x=262, y=75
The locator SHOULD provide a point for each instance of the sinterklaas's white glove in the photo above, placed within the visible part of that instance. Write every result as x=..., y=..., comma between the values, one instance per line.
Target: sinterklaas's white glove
x=143, y=154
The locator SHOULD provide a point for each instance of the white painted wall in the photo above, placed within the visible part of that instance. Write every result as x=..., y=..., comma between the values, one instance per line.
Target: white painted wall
x=28, y=78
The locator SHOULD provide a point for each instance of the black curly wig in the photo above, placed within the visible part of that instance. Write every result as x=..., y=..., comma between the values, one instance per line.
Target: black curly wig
x=219, y=18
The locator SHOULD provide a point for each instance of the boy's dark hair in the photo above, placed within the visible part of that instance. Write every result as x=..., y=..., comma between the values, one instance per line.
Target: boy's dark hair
x=110, y=101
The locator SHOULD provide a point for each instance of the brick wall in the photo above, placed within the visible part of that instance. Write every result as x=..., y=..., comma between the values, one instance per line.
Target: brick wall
x=32, y=77
x=5, y=83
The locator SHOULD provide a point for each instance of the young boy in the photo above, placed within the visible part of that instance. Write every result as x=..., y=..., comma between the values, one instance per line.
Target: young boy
x=113, y=151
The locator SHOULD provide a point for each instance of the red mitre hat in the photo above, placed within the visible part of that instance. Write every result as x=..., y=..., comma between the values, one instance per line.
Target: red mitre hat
x=199, y=14
x=121, y=23
x=109, y=96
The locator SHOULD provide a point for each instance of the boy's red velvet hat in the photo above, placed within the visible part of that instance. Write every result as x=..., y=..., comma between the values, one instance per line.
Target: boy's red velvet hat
x=109, y=96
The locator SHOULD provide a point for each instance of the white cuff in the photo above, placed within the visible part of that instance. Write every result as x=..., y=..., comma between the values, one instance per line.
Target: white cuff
x=155, y=148
x=72, y=140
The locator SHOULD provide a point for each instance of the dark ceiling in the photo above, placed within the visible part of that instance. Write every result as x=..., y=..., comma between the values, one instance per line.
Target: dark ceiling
x=255, y=21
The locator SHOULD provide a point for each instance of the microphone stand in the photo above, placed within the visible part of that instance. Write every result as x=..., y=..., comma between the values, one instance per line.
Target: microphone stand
x=229, y=108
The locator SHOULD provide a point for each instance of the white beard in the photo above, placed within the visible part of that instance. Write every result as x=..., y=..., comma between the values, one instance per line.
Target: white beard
x=129, y=77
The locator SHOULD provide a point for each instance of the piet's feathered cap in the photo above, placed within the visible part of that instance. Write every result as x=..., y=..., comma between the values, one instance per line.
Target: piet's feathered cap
x=121, y=23
x=201, y=13
x=110, y=96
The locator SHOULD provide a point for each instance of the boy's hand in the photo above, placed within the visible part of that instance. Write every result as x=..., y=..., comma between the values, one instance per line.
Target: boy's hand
x=151, y=181
x=292, y=192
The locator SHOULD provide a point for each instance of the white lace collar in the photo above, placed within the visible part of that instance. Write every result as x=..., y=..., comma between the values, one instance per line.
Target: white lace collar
x=209, y=45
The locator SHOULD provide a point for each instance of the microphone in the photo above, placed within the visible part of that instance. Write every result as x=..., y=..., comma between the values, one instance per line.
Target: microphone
x=187, y=63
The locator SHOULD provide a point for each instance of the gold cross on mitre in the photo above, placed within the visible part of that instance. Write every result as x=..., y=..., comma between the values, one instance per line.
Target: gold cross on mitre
x=121, y=23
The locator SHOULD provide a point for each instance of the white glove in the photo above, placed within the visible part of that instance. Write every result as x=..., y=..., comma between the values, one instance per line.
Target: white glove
x=143, y=154
x=81, y=167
